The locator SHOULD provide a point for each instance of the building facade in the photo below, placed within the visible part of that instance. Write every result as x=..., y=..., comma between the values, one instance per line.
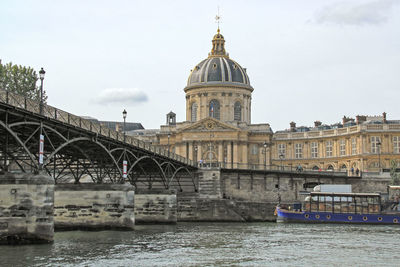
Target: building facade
x=218, y=129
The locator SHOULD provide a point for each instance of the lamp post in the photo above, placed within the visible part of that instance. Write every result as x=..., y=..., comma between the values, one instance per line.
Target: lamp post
x=169, y=135
x=379, y=154
x=281, y=156
x=124, y=116
x=41, y=76
x=265, y=155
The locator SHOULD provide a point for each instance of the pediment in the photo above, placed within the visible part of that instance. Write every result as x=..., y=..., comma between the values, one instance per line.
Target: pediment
x=209, y=124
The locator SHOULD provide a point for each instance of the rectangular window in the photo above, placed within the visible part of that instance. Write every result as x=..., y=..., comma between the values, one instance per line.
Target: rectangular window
x=342, y=147
x=375, y=144
x=254, y=149
x=282, y=151
x=314, y=150
x=329, y=149
x=353, y=146
x=298, y=152
x=396, y=144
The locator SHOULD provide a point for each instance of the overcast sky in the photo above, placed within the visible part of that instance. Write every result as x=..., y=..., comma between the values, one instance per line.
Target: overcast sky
x=307, y=60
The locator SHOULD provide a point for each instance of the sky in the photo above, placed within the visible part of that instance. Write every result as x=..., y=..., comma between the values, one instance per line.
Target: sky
x=307, y=60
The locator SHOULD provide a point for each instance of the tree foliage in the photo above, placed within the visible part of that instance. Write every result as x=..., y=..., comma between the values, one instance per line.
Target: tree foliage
x=395, y=176
x=20, y=80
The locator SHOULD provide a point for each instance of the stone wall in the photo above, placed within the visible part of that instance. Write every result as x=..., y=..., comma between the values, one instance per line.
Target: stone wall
x=192, y=207
x=270, y=188
x=94, y=207
x=26, y=208
x=155, y=207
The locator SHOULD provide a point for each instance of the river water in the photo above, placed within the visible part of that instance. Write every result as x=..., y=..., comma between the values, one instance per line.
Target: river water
x=217, y=244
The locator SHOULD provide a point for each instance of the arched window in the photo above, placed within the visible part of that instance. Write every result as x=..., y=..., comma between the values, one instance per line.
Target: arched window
x=237, y=111
x=330, y=168
x=194, y=112
x=214, y=109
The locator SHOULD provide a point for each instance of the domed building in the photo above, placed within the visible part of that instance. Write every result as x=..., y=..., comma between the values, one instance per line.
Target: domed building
x=218, y=129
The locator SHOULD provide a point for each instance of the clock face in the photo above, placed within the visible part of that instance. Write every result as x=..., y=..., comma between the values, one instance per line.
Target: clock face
x=209, y=125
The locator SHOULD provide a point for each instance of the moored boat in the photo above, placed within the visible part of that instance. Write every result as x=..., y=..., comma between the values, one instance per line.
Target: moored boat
x=326, y=207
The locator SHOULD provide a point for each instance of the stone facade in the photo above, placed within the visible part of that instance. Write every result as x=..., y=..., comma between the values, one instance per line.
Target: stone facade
x=369, y=146
x=155, y=207
x=94, y=207
x=26, y=209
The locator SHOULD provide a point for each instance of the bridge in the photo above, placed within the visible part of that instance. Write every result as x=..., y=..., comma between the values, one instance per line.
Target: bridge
x=72, y=149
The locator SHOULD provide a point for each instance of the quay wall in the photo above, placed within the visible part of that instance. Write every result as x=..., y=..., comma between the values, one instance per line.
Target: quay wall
x=155, y=206
x=240, y=196
x=26, y=209
x=94, y=207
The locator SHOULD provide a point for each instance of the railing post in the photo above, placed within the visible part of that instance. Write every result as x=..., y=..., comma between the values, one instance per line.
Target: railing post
x=55, y=113
x=80, y=122
x=69, y=119
x=7, y=97
x=24, y=102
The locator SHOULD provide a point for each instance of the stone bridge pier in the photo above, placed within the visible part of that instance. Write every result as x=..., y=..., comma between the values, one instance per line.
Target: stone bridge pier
x=26, y=208
x=89, y=206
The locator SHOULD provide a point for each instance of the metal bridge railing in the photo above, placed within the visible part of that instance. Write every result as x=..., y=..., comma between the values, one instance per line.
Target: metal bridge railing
x=280, y=168
x=71, y=119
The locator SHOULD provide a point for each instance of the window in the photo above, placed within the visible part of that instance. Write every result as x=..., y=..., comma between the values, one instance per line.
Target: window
x=237, y=111
x=298, y=151
x=254, y=149
x=314, y=150
x=214, y=109
x=342, y=147
x=353, y=146
x=329, y=149
x=194, y=112
x=375, y=143
x=396, y=144
x=281, y=151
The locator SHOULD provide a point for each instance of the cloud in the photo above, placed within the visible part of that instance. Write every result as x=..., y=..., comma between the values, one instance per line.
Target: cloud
x=351, y=13
x=121, y=96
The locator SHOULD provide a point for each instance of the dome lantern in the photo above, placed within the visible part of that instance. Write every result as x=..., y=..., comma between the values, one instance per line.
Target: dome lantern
x=218, y=46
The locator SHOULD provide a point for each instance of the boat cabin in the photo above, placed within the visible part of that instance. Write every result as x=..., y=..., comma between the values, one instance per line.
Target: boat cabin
x=362, y=203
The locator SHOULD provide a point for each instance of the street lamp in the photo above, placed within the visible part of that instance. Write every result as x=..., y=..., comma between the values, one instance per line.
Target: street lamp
x=41, y=76
x=281, y=156
x=265, y=155
x=169, y=135
x=124, y=116
x=379, y=155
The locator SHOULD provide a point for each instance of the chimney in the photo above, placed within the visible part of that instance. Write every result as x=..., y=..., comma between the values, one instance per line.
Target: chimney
x=317, y=123
x=292, y=126
x=360, y=119
x=384, y=117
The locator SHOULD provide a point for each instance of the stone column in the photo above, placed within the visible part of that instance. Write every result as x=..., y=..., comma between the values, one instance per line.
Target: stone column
x=191, y=151
x=26, y=209
x=235, y=155
x=244, y=156
x=220, y=154
x=94, y=206
x=199, y=152
x=229, y=155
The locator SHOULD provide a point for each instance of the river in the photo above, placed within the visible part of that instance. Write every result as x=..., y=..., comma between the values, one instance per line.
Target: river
x=216, y=244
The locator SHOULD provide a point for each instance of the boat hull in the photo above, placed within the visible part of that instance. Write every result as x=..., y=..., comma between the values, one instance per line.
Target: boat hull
x=329, y=217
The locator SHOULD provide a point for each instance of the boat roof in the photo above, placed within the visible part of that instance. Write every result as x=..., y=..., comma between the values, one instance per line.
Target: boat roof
x=345, y=194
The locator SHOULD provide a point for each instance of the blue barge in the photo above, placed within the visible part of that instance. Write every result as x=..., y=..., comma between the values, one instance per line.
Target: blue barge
x=321, y=207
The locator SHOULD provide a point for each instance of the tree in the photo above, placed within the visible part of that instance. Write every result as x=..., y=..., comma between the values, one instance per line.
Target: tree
x=20, y=80
x=395, y=176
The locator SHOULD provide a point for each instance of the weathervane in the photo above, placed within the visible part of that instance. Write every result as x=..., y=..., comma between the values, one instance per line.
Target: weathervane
x=218, y=18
